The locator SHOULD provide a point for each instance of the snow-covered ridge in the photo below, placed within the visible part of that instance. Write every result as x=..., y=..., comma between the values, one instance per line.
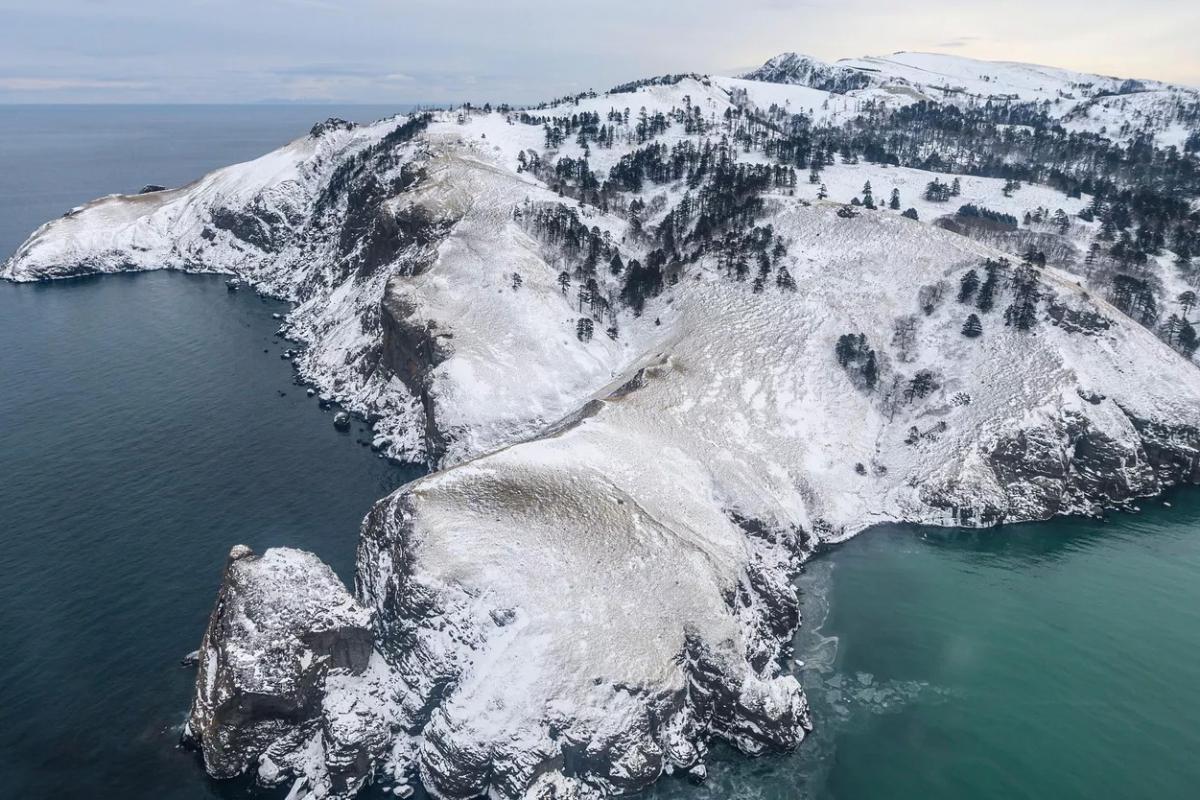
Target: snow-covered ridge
x=1116, y=107
x=595, y=585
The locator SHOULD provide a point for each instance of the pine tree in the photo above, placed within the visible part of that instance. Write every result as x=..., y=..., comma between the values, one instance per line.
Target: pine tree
x=516, y=281
x=894, y=203
x=1172, y=327
x=910, y=213
x=870, y=371
x=1188, y=339
x=564, y=281
x=1187, y=301
x=822, y=193
x=615, y=266
x=985, y=300
x=921, y=385
x=584, y=328
x=784, y=280
x=868, y=198
x=1022, y=311
x=972, y=328
x=967, y=286
x=936, y=191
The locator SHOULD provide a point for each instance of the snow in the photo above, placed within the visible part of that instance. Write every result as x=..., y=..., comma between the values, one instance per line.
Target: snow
x=1081, y=101
x=610, y=538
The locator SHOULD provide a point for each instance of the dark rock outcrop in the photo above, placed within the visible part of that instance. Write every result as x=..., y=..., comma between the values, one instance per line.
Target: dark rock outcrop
x=261, y=227
x=283, y=625
x=331, y=124
x=1077, y=464
x=411, y=350
x=757, y=715
x=804, y=71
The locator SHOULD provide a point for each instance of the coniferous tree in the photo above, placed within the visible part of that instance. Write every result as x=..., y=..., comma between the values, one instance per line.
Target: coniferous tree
x=1187, y=301
x=937, y=192
x=894, y=203
x=1187, y=339
x=921, y=385
x=784, y=280
x=858, y=359
x=972, y=328
x=1022, y=311
x=1170, y=328
x=870, y=371
x=986, y=297
x=583, y=329
x=967, y=286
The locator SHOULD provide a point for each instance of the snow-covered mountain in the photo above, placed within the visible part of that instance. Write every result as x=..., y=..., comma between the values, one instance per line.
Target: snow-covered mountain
x=660, y=343
x=1116, y=107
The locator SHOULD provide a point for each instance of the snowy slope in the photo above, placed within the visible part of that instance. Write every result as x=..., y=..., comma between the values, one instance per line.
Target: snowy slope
x=190, y=227
x=1115, y=107
x=585, y=561
x=595, y=586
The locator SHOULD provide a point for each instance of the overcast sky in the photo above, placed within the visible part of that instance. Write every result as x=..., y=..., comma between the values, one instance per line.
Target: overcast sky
x=393, y=51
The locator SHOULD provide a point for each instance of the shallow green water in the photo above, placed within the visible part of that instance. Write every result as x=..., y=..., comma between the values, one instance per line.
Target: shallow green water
x=1054, y=660
x=143, y=431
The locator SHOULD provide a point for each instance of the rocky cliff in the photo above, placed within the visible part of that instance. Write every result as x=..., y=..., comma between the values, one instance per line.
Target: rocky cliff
x=654, y=372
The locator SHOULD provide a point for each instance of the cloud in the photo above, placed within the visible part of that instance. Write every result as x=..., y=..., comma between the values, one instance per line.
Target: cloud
x=66, y=84
x=960, y=41
x=518, y=51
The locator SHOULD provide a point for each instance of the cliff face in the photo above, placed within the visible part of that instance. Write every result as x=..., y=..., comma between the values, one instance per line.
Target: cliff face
x=624, y=640
x=284, y=639
x=596, y=585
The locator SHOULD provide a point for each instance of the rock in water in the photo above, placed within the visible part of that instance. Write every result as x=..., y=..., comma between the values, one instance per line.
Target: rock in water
x=283, y=639
x=341, y=421
x=596, y=585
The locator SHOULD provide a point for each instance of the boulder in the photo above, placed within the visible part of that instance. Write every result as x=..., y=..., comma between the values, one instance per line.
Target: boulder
x=283, y=626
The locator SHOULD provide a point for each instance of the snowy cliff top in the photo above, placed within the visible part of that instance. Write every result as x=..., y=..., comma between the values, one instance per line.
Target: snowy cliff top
x=596, y=584
x=1080, y=101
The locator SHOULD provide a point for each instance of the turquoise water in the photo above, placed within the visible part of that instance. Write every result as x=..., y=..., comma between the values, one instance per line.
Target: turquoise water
x=144, y=430
x=1051, y=660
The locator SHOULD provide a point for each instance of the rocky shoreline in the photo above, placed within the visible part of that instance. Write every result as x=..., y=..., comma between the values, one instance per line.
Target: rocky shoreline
x=594, y=584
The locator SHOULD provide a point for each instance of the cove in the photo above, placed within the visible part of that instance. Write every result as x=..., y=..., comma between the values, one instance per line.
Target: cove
x=143, y=432
x=1057, y=659
x=149, y=424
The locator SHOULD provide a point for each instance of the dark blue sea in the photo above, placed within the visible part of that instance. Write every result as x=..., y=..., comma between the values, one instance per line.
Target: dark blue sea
x=147, y=424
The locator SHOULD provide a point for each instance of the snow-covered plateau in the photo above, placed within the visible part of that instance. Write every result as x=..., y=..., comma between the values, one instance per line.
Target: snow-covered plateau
x=652, y=369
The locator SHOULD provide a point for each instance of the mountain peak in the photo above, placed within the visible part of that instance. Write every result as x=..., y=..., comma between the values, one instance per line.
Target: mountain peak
x=804, y=70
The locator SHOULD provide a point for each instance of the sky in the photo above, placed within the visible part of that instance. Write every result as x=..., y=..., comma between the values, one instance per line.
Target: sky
x=522, y=51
